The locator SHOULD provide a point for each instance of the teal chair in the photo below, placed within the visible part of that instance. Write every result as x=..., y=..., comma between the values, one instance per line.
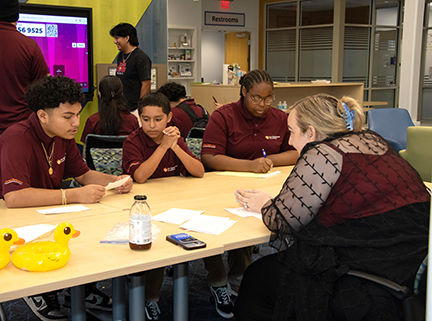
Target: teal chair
x=392, y=124
x=103, y=153
x=418, y=151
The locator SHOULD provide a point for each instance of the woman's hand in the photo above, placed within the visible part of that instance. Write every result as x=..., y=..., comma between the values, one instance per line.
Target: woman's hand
x=252, y=200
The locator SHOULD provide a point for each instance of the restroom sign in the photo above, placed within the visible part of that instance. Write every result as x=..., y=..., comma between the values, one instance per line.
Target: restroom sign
x=224, y=19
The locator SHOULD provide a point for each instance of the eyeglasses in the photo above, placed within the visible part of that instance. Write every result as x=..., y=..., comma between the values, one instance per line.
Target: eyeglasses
x=257, y=99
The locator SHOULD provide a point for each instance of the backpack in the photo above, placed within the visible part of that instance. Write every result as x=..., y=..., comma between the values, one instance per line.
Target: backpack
x=196, y=133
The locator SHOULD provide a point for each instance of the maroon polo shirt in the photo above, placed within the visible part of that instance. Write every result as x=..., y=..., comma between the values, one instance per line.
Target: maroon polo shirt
x=92, y=126
x=138, y=147
x=23, y=163
x=181, y=120
x=233, y=131
x=21, y=64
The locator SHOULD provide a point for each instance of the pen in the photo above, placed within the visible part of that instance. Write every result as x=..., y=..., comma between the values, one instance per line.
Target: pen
x=264, y=153
x=214, y=99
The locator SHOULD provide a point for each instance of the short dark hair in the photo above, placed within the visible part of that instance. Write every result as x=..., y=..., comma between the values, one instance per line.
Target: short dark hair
x=255, y=77
x=124, y=29
x=174, y=91
x=154, y=99
x=50, y=92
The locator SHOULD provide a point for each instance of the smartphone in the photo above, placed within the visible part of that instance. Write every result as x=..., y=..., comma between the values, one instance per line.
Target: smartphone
x=186, y=241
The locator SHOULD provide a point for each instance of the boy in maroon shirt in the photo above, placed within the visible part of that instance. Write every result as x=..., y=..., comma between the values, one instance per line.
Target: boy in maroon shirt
x=37, y=154
x=156, y=150
x=153, y=151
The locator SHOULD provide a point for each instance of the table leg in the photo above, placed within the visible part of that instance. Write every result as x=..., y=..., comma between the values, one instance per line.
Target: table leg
x=119, y=298
x=136, y=297
x=181, y=304
x=78, y=303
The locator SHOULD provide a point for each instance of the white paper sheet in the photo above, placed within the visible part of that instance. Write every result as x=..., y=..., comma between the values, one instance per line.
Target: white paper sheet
x=248, y=174
x=32, y=232
x=117, y=183
x=65, y=209
x=208, y=224
x=240, y=211
x=176, y=215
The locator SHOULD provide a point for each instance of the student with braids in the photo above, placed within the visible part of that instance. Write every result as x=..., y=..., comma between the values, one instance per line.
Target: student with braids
x=351, y=202
x=113, y=117
x=234, y=140
x=237, y=133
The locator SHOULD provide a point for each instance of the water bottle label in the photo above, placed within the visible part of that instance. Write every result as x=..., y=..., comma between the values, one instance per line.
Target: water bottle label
x=140, y=230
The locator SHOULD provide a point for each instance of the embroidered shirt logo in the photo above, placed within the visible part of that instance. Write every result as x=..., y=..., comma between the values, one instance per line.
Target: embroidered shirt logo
x=209, y=146
x=13, y=180
x=61, y=160
x=170, y=169
x=272, y=137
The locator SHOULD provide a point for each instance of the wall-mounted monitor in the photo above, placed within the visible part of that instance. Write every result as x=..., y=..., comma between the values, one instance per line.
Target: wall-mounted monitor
x=65, y=36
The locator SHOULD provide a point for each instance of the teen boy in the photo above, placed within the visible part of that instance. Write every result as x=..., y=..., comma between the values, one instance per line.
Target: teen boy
x=152, y=151
x=38, y=153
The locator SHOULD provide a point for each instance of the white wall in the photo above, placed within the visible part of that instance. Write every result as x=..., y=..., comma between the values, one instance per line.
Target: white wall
x=251, y=10
x=191, y=13
x=212, y=49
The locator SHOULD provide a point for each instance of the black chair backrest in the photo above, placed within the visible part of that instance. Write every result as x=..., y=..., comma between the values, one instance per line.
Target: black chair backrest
x=100, y=141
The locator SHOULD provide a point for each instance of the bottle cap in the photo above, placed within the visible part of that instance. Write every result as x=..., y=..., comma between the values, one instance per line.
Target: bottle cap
x=140, y=197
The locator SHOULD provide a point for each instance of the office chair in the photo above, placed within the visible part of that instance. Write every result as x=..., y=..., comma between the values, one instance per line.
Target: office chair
x=392, y=124
x=413, y=302
x=104, y=153
x=2, y=313
x=418, y=151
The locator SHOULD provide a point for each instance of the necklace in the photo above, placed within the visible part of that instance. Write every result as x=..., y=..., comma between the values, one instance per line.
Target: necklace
x=49, y=159
x=129, y=54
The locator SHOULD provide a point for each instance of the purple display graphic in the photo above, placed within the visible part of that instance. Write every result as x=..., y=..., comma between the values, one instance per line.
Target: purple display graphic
x=64, y=47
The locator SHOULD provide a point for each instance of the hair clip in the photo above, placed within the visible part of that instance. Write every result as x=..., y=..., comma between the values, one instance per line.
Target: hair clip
x=348, y=116
x=112, y=94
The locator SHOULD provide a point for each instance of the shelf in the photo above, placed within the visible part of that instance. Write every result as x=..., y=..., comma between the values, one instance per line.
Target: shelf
x=180, y=48
x=181, y=61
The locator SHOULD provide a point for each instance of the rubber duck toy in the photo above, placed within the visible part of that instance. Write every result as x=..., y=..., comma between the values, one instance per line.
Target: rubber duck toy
x=8, y=237
x=46, y=256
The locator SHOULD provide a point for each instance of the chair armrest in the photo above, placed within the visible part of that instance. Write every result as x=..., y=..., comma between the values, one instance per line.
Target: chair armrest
x=399, y=291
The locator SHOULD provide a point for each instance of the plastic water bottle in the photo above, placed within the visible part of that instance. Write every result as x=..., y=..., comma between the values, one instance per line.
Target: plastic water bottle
x=140, y=224
x=284, y=106
x=280, y=105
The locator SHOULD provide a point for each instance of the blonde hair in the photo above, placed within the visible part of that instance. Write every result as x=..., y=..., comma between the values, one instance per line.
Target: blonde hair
x=326, y=114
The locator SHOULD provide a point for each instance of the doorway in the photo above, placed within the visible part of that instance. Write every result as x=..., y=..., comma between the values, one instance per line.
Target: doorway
x=237, y=49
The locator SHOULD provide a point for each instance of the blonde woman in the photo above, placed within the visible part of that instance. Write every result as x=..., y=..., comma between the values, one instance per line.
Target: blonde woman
x=350, y=203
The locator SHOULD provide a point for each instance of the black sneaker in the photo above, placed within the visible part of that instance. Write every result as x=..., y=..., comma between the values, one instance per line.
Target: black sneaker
x=152, y=310
x=46, y=306
x=222, y=300
x=95, y=299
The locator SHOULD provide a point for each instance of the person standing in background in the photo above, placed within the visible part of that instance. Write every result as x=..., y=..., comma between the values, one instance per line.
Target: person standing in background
x=133, y=65
x=21, y=63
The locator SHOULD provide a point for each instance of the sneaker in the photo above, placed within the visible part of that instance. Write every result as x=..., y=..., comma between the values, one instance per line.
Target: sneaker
x=152, y=310
x=233, y=289
x=46, y=306
x=222, y=300
x=95, y=299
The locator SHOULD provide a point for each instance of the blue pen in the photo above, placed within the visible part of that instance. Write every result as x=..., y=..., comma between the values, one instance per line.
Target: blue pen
x=264, y=153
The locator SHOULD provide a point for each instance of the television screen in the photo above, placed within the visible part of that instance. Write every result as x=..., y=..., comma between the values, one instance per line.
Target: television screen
x=64, y=35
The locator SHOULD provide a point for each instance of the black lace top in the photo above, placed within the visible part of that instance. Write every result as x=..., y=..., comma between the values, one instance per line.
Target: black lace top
x=351, y=202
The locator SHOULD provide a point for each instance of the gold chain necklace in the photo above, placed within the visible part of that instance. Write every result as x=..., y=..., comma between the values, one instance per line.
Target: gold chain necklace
x=129, y=54
x=49, y=159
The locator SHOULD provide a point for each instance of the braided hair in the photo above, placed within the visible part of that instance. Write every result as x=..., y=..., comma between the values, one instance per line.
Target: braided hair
x=255, y=77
